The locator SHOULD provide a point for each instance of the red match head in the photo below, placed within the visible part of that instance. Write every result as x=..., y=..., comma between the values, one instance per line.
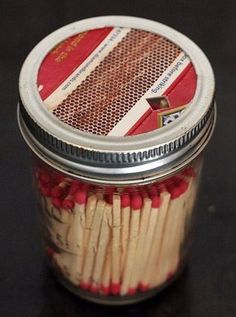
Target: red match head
x=109, y=190
x=50, y=251
x=144, y=194
x=183, y=186
x=130, y=189
x=174, y=191
x=73, y=188
x=68, y=203
x=153, y=190
x=115, y=288
x=57, y=191
x=136, y=202
x=94, y=289
x=156, y=201
x=170, y=276
x=109, y=198
x=85, y=285
x=162, y=187
x=45, y=190
x=85, y=186
x=56, y=202
x=189, y=171
x=169, y=181
x=80, y=197
x=143, y=287
x=106, y=290
x=58, y=178
x=132, y=291
x=125, y=200
x=44, y=177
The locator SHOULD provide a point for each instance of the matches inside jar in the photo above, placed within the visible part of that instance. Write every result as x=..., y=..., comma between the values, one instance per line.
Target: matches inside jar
x=111, y=240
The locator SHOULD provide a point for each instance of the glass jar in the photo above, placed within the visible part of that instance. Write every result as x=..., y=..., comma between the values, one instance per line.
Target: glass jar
x=117, y=111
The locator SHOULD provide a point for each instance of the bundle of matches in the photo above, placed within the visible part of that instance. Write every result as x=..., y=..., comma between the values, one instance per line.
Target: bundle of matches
x=57, y=203
x=117, y=241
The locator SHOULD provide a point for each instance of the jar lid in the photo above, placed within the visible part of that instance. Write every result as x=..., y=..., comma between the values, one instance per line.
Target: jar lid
x=117, y=99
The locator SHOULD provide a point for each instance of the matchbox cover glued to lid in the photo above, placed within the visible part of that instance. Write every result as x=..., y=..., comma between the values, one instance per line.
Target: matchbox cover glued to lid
x=116, y=81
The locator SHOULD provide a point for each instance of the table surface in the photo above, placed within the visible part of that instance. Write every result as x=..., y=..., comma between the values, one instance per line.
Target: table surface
x=208, y=286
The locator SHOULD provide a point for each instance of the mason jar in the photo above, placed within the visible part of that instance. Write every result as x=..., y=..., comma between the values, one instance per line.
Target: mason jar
x=116, y=112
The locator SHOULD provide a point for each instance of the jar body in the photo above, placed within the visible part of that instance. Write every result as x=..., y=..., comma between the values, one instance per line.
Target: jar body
x=116, y=245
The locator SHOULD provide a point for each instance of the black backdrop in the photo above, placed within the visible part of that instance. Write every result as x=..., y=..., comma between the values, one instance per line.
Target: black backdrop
x=208, y=286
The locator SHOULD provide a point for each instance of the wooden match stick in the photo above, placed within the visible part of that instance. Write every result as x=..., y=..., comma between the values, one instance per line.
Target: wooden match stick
x=80, y=198
x=194, y=189
x=58, y=232
x=106, y=274
x=57, y=229
x=45, y=192
x=164, y=257
x=92, y=245
x=53, y=205
x=179, y=228
x=136, y=204
x=49, y=206
x=125, y=220
x=151, y=266
x=190, y=181
x=45, y=200
x=76, y=233
x=143, y=285
x=190, y=176
x=42, y=204
x=89, y=215
x=58, y=194
x=102, y=248
x=66, y=215
x=116, y=245
x=141, y=245
x=57, y=206
x=63, y=262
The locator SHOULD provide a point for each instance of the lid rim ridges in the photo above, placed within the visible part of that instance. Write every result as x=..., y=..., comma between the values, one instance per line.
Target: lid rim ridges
x=81, y=155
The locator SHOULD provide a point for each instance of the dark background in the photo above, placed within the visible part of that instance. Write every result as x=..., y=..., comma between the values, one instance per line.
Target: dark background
x=208, y=286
